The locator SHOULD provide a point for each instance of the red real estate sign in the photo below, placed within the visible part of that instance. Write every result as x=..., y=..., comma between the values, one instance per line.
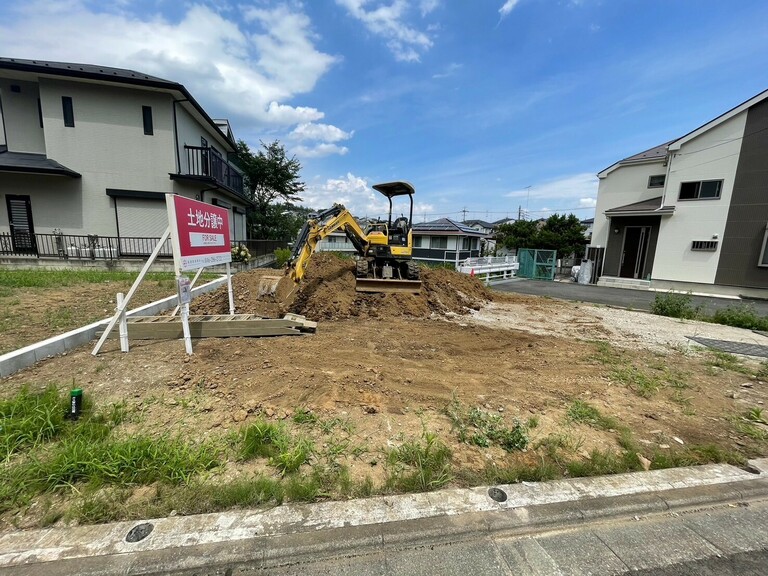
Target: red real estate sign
x=199, y=233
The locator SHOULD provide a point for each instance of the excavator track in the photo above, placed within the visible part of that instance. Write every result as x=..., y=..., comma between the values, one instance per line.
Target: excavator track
x=387, y=286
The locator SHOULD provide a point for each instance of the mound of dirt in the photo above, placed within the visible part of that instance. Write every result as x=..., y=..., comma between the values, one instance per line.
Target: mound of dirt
x=327, y=292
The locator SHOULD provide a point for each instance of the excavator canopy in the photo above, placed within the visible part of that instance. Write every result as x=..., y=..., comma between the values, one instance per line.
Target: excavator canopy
x=390, y=189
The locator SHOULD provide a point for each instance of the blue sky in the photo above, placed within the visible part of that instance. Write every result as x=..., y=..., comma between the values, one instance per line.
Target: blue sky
x=486, y=106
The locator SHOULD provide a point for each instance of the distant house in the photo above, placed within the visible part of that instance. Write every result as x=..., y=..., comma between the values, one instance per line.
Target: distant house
x=90, y=151
x=691, y=213
x=589, y=225
x=446, y=240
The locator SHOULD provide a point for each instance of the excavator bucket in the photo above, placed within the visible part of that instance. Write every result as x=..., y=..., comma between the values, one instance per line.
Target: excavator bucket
x=388, y=286
x=268, y=285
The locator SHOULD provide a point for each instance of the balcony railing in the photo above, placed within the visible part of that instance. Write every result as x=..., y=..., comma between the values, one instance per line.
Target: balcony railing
x=93, y=247
x=205, y=161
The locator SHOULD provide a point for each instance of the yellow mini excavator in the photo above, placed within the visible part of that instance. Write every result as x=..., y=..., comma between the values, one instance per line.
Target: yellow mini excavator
x=384, y=248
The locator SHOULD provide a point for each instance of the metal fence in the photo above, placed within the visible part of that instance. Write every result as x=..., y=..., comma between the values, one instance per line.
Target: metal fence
x=93, y=247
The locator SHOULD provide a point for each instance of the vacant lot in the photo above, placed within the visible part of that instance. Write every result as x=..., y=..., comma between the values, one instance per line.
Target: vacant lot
x=456, y=386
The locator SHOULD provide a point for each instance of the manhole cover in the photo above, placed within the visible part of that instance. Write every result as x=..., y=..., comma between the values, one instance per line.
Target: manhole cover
x=139, y=532
x=497, y=494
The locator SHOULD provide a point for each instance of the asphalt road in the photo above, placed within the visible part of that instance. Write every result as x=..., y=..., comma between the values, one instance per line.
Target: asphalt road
x=634, y=299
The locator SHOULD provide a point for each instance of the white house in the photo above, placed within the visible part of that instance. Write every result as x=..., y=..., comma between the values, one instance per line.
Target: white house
x=691, y=213
x=91, y=150
x=445, y=240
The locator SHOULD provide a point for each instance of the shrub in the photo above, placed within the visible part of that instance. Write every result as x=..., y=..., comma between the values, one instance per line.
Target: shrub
x=675, y=306
x=282, y=255
x=741, y=316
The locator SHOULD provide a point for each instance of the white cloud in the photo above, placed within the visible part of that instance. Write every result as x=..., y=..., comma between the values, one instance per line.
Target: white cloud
x=323, y=132
x=245, y=70
x=427, y=6
x=508, y=6
x=356, y=194
x=388, y=20
x=587, y=202
x=448, y=71
x=318, y=150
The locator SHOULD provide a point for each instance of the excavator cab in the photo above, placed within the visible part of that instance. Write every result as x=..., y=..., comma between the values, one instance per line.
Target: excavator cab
x=389, y=267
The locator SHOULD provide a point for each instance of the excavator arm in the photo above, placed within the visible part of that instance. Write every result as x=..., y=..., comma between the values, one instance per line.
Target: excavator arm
x=315, y=229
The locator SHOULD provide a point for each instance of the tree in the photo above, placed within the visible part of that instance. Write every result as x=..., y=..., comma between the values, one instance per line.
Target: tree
x=279, y=221
x=564, y=234
x=272, y=180
x=519, y=234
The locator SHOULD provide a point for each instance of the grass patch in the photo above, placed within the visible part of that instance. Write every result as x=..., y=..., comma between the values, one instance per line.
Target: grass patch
x=481, y=428
x=27, y=420
x=605, y=353
x=584, y=413
x=419, y=465
x=268, y=440
x=726, y=361
x=638, y=381
x=44, y=452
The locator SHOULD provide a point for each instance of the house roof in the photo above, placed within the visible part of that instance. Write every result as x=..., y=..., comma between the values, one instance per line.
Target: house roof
x=112, y=75
x=655, y=154
x=659, y=152
x=482, y=223
x=650, y=207
x=446, y=227
x=33, y=164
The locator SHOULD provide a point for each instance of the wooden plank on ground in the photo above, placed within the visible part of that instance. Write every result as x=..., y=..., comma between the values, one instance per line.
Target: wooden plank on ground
x=256, y=327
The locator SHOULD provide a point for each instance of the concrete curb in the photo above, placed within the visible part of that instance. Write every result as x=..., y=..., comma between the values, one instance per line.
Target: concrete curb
x=29, y=355
x=284, y=534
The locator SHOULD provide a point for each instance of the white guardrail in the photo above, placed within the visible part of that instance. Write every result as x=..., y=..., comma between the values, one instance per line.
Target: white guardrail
x=492, y=267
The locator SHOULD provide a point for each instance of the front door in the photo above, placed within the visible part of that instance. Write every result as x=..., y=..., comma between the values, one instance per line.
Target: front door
x=20, y=220
x=635, y=250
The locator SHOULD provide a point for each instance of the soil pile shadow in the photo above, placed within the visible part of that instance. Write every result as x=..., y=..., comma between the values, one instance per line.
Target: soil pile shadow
x=327, y=292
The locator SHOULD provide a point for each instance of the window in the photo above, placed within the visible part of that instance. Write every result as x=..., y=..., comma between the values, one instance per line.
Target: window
x=704, y=245
x=146, y=112
x=438, y=242
x=702, y=190
x=468, y=244
x=657, y=181
x=69, y=113
x=417, y=241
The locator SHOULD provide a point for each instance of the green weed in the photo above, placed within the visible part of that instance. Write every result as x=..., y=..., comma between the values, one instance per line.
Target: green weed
x=29, y=419
x=481, y=428
x=584, y=413
x=675, y=305
x=637, y=380
x=741, y=316
x=726, y=361
x=419, y=465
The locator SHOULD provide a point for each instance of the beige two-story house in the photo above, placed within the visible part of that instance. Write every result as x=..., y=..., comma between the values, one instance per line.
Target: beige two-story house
x=88, y=152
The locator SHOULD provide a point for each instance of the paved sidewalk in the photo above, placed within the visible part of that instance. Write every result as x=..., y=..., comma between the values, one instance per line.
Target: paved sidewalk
x=600, y=525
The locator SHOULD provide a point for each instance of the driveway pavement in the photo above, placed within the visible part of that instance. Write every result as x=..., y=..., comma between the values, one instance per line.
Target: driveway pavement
x=634, y=299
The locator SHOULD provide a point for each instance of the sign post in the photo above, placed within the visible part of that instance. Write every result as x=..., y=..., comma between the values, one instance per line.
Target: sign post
x=200, y=238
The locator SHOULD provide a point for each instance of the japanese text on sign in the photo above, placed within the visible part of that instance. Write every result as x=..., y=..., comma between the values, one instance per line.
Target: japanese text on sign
x=202, y=219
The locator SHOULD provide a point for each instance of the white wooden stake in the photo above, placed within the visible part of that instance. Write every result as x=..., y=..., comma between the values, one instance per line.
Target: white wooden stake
x=229, y=290
x=124, y=346
x=185, y=328
x=139, y=278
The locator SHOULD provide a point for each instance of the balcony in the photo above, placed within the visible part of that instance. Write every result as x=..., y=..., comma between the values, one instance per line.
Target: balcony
x=206, y=164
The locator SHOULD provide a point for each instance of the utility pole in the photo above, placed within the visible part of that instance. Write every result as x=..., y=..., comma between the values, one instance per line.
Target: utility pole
x=527, y=198
x=464, y=214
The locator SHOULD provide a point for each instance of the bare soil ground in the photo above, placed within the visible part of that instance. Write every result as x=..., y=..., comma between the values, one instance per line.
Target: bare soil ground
x=390, y=364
